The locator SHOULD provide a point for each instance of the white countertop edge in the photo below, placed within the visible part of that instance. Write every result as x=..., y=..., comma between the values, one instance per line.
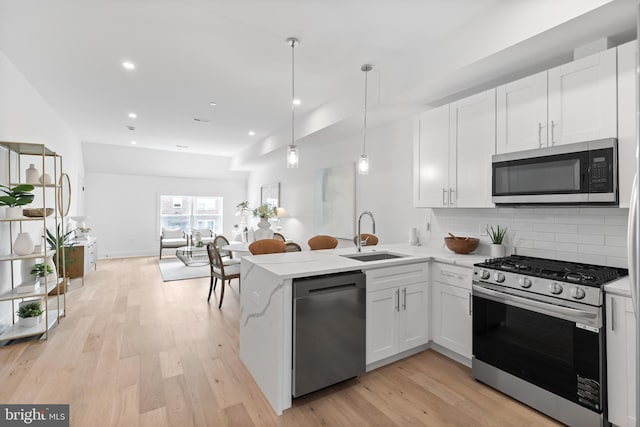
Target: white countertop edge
x=621, y=287
x=334, y=263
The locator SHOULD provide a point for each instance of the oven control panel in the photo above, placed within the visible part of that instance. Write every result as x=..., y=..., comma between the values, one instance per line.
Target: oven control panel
x=542, y=286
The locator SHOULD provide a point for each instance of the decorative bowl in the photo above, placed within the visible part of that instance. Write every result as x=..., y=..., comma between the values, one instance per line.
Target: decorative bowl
x=37, y=212
x=461, y=245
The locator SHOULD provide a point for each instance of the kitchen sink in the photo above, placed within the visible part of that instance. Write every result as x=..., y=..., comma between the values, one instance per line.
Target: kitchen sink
x=373, y=256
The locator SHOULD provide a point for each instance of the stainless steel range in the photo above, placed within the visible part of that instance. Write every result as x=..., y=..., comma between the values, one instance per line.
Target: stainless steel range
x=538, y=334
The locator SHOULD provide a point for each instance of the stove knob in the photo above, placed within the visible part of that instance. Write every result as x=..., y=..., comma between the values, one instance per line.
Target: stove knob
x=485, y=274
x=499, y=277
x=577, y=293
x=555, y=288
x=525, y=282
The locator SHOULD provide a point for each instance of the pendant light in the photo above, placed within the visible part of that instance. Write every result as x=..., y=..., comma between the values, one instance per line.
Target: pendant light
x=292, y=150
x=363, y=163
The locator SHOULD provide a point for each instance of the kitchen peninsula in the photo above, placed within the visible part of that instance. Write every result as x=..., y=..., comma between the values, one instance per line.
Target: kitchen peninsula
x=266, y=321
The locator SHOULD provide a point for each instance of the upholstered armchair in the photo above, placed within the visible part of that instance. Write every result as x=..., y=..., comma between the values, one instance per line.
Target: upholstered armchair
x=172, y=238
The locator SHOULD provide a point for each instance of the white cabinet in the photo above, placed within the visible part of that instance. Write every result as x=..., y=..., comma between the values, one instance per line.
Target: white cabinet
x=397, y=310
x=621, y=360
x=522, y=114
x=627, y=57
x=451, y=308
x=574, y=102
x=582, y=99
x=452, y=153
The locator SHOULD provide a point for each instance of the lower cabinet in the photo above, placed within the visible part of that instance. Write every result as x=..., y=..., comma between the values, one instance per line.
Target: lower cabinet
x=397, y=310
x=621, y=361
x=451, y=308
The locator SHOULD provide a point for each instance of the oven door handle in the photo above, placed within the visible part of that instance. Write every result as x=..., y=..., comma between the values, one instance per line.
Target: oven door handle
x=566, y=313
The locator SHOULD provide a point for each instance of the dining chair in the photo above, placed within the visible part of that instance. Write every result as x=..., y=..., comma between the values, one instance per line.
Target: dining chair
x=322, y=241
x=219, y=241
x=366, y=239
x=279, y=236
x=266, y=246
x=292, y=247
x=220, y=270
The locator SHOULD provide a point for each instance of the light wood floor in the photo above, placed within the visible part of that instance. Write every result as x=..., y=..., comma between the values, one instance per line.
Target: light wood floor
x=134, y=351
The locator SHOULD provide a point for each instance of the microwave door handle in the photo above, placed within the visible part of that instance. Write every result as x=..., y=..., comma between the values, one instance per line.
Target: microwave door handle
x=538, y=307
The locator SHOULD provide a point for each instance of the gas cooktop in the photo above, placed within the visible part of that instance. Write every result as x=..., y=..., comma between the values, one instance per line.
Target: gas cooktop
x=562, y=271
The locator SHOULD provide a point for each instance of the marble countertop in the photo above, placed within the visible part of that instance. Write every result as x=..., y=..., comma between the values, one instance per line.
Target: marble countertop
x=309, y=263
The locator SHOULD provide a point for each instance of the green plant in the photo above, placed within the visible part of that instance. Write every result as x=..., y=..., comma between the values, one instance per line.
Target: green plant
x=30, y=310
x=41, y=270
x=60, y=239
x=265, y=211
x=19, y=195
x=243, y=208
x=497, y=235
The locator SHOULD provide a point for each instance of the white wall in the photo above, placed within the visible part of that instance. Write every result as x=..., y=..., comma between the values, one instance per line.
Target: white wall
x=592, y=235
x=124, y=208
x=25, y=116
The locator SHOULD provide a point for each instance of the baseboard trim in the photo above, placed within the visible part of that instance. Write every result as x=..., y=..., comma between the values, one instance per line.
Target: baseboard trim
x=396, y=357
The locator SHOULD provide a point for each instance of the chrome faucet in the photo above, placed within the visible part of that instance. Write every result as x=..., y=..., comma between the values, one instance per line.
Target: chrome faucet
x=359, y=236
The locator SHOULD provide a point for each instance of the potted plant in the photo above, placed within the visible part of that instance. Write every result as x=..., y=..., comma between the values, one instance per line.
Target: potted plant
x=29, y=314
x=497, y=236
x=41, y=270
x=60, y=242
x=264, y=212
x=14, y=197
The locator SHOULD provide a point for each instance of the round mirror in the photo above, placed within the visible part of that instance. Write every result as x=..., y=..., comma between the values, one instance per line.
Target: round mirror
x=64, y=194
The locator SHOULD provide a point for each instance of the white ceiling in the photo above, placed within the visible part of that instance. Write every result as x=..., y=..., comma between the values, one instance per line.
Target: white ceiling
x=233, y=52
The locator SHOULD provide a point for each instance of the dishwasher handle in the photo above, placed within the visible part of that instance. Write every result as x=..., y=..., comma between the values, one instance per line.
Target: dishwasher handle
x=329, y=283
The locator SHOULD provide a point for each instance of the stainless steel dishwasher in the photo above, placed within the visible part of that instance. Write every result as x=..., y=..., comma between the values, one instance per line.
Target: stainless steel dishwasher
x=329, y=330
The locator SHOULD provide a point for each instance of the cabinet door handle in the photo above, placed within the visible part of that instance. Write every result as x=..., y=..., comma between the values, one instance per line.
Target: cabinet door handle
x=539, y=134
x=613, y=314
x=451, y=197
x=469, y=303
x=404, y=300
x=553, y=127
x=397, y=300
x=444, y=191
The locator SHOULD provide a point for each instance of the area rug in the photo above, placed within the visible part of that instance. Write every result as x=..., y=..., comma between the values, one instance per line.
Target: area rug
x=173, y=269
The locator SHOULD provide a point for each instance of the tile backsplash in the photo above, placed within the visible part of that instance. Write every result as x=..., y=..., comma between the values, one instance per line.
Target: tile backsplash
x=594, y=235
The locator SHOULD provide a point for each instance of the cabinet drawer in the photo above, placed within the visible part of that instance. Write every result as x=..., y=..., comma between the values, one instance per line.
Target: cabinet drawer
x=452, y=275
x=390, y=277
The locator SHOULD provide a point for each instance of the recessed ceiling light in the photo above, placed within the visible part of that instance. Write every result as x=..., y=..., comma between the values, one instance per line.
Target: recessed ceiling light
x=213, y=104
x=251, y=133
x=133, y=142
x=182, y=147
x=132, y=115
x=202, y=120
x=224, y=153
x=296, y=102
x=128, y=65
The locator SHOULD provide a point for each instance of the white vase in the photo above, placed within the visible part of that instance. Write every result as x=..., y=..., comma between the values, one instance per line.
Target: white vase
x=14, y=212
x=23, y=244
x=45, y=179
x=25, y=270
x=52, y=277
x=497, y=250
x=263, y=231
x=29, y=322
x=32, y=174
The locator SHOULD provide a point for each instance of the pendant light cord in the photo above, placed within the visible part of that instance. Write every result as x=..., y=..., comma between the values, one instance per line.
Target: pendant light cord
x=293, y=92
x=364, y=133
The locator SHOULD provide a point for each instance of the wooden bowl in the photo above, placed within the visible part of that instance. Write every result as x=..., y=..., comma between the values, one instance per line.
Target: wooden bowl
x=37, y=212
x=461, y=245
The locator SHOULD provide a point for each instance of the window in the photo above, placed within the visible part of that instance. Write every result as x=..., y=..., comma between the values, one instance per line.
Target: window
x=187, y=212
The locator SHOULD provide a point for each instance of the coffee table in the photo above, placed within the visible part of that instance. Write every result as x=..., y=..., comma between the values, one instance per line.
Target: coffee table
x=193, y=256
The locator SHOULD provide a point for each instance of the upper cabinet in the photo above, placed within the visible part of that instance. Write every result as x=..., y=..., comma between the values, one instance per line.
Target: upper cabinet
x=453, y=146
x=627, y=57
x=571, y=103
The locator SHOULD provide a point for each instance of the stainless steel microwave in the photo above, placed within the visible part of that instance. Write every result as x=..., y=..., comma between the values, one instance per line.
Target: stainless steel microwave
x=580, y=173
